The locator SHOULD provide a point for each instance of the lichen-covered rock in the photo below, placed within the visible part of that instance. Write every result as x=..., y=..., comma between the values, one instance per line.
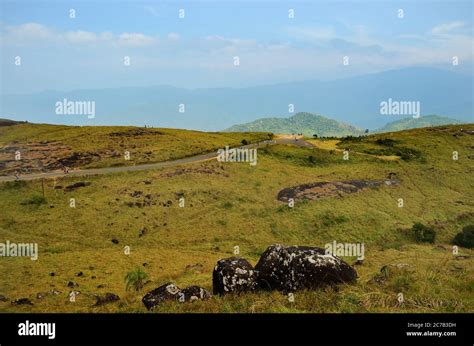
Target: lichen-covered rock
x=301, y=267
x=193, y=293
x=234, y=275
x=165, y=292
x=170, y=291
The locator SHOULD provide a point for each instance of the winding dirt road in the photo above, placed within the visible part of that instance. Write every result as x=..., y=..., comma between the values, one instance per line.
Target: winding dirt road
x=164, y=164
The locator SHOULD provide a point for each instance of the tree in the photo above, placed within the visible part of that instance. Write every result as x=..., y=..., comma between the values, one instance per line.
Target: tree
x=135, y=279
x=423, y=233
x=465, y=238
x=315, y=136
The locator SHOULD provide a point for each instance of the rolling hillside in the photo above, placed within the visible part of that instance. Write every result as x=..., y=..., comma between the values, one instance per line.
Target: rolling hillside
x=235, y=204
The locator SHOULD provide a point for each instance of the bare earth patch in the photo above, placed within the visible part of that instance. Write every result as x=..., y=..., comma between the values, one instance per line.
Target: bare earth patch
x=324, y=189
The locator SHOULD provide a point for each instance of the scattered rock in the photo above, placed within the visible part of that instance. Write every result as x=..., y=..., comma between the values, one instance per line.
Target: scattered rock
x=22, y=301
x=80, y=274
x=106, y=298
x=52, y=274
x=100, y=286
x=40, y=295
x=359, y=262
x=147, y=182
x=234, y=275
x=54, y=292
x=136, y=194
x=165, y=292
x=301, y=267
x=72, y=284
x=115, y=241
x=143, y=231
x=3, y=298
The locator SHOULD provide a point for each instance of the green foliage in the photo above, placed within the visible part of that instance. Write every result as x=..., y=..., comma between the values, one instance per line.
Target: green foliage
x=227, y=205
x=35, y=200
x=423, y=234
x=385, y=141
x=135, y=279
x=16, y=184
x=465, y=238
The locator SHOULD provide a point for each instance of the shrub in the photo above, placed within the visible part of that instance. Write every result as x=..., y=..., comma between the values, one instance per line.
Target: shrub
x=423, y=233
x=385, y=141
x=465, y=238
x=244, y=142
x=135, y=279
x=35, y=200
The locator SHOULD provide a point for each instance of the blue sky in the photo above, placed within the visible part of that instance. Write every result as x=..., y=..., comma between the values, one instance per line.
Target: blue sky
x=61, y=53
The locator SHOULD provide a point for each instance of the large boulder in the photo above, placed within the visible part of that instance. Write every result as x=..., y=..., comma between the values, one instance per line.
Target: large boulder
x=234, y=275
x=165, y=292
x=301, y=267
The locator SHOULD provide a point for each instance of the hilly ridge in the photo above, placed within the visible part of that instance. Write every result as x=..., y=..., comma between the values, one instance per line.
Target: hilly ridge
x=306, y=123
x=309, y=124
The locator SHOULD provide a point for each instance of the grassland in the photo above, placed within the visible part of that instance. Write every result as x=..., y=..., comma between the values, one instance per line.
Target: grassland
x=229, y=204
x=43, y=146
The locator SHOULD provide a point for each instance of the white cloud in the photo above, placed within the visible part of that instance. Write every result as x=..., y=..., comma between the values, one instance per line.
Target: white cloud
x=173, y=36
x=135, y=39
x=81, y=36
x=447, y=28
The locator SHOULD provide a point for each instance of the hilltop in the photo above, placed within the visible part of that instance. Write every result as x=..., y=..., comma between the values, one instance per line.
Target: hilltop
x=306, y=123
x=412, y=123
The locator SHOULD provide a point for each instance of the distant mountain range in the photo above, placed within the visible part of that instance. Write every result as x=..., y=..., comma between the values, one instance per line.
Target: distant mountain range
x=354, y=100
x=310, y=124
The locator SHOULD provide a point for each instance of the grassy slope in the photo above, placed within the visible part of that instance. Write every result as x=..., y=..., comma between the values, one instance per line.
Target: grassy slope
x=165, y=144
x=238, y=207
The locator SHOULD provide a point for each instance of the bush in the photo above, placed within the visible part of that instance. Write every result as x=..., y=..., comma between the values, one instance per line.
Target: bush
x=423, y=234
x=385, y=141
x=244, y=142
x=35, y=200
x=465, y=238
x=135, y=279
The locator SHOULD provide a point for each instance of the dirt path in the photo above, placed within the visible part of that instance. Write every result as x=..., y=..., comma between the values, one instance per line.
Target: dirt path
x=332, y=145
x=164, y=164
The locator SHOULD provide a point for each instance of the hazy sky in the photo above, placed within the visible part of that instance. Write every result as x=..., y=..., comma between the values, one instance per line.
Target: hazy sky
x=62, y=53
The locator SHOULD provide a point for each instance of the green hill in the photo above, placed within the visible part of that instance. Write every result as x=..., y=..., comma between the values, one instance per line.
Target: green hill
x=305, y=123
x=412, y=123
